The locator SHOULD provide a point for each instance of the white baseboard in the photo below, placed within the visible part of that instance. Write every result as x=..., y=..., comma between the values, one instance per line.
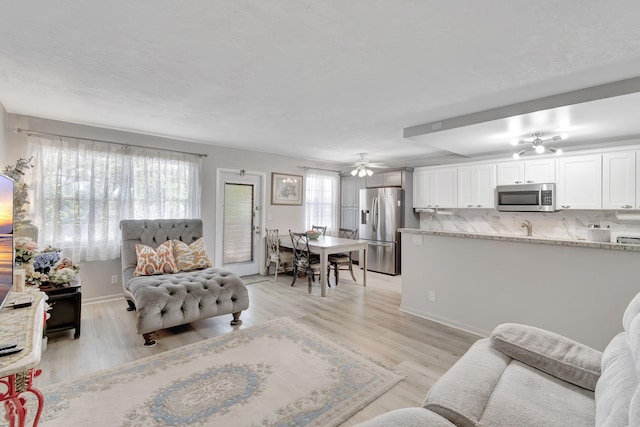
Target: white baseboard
x=103, y=298
x=447, y=322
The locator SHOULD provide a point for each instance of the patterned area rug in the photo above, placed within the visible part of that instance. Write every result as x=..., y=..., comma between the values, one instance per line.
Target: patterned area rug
x=279, y=373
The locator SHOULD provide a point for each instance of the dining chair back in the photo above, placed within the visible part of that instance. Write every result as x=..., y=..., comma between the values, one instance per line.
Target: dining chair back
x=322, y=229
x=281, y=260
x=302, y=259
x=343, y=261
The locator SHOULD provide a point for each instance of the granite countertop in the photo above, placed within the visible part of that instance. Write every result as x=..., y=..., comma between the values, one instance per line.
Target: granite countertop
x=525, y=239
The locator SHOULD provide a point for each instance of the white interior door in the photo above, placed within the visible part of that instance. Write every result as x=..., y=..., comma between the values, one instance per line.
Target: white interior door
x=239, y=223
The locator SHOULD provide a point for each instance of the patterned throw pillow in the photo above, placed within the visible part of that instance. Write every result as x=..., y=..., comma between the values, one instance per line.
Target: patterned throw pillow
x=155, y=261
x=191, y=257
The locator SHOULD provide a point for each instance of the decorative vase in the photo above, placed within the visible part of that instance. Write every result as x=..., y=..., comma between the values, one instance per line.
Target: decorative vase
x=25, y=228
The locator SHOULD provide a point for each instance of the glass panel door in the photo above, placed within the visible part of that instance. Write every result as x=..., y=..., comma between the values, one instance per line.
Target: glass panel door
x=238, y=223
x=239, y=247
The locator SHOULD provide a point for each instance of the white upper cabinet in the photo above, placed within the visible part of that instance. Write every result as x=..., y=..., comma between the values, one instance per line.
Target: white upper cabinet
x=539, y=171
x=422, y=197
x=637, y=205
x=476, y=186
x=619, y=180
x=510, y=173
x=527, y=172
x=445, y=194
x=385, y=179
x=435, y=188
x=579, y=182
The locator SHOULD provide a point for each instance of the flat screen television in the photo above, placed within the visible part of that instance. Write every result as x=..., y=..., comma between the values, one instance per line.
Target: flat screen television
x=6, y=237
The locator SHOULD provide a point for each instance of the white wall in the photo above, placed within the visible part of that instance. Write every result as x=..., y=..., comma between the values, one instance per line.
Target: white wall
x=3, y=145
x=575, y=291
x=96, y=276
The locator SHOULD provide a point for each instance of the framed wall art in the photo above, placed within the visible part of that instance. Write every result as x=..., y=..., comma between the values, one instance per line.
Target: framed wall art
x=286, y=189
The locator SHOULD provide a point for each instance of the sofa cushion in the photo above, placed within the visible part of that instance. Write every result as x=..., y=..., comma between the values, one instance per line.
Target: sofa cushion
x=461, y=394
x=407, y=417
x=155, y=261
x=527, y=397
x=552, y=353
x=617, y=384
x=175, y=299
x=618, y=391
x=191, y=257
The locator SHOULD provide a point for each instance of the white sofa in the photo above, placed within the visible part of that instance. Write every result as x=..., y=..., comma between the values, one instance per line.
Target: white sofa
x=524, y=376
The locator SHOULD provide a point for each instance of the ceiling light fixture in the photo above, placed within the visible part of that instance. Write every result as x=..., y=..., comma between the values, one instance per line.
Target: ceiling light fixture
x=361, y=171
x=361, y=168
x=537, y=143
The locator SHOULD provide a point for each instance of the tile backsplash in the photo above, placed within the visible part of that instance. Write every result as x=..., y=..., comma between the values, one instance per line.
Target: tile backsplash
x=557, y=225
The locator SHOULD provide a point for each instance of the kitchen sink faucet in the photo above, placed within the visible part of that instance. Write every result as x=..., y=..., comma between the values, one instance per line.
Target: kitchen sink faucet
x=527, y=224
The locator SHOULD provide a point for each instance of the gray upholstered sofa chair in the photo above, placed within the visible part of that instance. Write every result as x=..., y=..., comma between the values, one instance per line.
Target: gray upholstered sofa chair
x=166, y=300
x=524, y=376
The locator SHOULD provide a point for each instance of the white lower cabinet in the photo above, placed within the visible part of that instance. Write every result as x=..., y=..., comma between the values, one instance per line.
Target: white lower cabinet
x=579, y=182
x=476, y=186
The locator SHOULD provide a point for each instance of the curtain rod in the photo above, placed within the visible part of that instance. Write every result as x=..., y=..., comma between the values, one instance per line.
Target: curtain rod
x=319, y=169
x=32, y=132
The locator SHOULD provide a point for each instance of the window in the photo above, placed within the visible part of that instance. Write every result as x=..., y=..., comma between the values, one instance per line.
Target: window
x=82, y=189
x=321, y=199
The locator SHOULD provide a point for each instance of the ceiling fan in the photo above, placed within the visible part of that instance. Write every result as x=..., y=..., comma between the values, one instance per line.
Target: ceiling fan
x=363, y=167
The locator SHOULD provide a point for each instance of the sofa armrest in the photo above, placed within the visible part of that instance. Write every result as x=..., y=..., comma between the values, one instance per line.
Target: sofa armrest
x=408, y=417
x=549, y=352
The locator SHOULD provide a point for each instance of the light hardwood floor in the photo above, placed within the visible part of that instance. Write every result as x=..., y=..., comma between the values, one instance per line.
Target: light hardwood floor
x=368, y=320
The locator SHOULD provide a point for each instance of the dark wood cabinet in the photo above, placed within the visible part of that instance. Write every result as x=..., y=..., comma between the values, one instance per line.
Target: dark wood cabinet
x=66, y=303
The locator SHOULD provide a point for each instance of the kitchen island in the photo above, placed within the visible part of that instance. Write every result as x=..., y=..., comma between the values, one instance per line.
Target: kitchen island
x=477, y=281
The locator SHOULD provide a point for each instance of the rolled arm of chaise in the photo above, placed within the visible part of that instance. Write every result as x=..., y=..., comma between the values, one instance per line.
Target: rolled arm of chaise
x=549, y=352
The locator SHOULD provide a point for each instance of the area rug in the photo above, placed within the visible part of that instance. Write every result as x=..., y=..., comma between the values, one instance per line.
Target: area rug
x=279, y=373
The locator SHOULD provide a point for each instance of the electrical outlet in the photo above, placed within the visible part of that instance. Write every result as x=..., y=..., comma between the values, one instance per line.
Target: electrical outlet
x=606, y=224
x=432, y=296
x=114, y=279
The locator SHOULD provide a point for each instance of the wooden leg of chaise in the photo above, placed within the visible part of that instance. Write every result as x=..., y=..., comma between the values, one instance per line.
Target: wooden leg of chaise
x=236, y=319
x=148, y=339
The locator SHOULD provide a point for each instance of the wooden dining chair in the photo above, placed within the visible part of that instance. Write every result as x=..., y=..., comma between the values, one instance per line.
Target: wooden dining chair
x=302, y=261
x=282, y=260
x=342, y=260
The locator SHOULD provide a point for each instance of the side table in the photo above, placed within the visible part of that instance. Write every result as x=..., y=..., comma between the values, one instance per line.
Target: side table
x=22, y=326
x=66, y=303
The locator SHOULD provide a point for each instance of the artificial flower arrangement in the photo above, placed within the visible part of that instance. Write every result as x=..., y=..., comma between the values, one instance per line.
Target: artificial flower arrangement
x=46, y=267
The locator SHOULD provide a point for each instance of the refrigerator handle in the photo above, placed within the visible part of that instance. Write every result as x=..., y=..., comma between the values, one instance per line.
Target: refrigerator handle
x=375, y=214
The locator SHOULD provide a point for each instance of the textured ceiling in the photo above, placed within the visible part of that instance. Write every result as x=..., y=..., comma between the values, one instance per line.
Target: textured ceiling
x=317, y=79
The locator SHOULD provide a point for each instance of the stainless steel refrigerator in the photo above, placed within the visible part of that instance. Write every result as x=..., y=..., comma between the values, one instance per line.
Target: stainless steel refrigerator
x=381, y=215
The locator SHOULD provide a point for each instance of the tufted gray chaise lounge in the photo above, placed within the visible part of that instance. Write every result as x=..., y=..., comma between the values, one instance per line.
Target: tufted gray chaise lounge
x=167, y=300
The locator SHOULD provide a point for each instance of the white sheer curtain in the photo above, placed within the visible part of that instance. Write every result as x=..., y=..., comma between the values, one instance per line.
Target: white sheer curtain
x=321, y=199
x=82, y=189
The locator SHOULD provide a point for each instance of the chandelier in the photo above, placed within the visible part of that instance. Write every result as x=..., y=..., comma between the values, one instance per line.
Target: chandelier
x=537, y=143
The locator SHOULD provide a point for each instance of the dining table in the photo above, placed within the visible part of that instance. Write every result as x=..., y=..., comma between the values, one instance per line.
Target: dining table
x=327, y=245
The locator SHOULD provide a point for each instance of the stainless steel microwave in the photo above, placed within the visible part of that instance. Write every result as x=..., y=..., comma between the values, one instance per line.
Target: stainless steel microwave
x=526, y=197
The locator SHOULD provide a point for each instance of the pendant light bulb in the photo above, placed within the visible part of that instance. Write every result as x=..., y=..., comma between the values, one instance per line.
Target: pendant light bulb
x=369, y=172
x=354, y=172
x=540, y=149
x=362, y=173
